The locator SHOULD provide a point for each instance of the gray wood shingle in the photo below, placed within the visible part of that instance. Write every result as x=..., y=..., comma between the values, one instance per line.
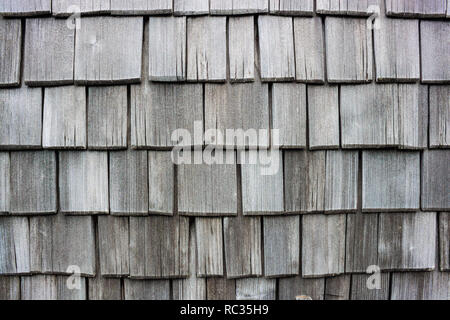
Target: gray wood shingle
x=109, y=50
x=83, y=182
x=128, y=180
x=21, y=8
x=299, y=288
x=157, y=110
x=439, y=116
x=113, y=246
x=107, y=117
x=337, y=288
x=292, y=7
x=190, y=7
x=420, y=286
x=141, y=7
x=51, y=287
x=49, y=52
x=323, y=245
x=9, y=288
x=101, y=288
x=444, y=241
x=435, y=45
x=59, y=242
x=11, y=48
x=232, y=7
x=391, y=181
x=407, y=241
x=281, y=246
x=161, y=184
x=5, y=181
x=397, y=52
x=33, y=182
x=64, y=118
x=359, y=290
x=241, y=46
x=64, y=8
x=167, y=48
x=147, y=289
x=255, y=289
x=349, y=50
x=21, y=118
x=220, y=289
x=206, y=49
x=346, y=7
x=435, y=180
x=209, y=244
x=14, y=246
x=416, y=8
x=309, y=50
x=289, y=114
x=276, y=47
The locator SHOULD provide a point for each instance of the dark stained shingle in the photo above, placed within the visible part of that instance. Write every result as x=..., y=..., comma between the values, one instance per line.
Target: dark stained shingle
x=435, y=46
x=439, y=116
x=435, y=180
x=113, y=244
x=233, y=7
x=209, y=244
x=292, y=7
x=141, y=7
x=14, y=246
x=10, y=47
x=25, y=8
x=241, y=46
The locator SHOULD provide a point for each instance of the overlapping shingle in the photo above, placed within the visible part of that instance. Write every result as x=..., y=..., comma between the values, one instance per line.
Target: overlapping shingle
x=9, y=288
x=420, y=285
x=101, y=288
x=190, y=7
x=360, y=290
x=255, y=289
x=209, y=244
x=220, y=289
x=161, y=183
x=11, y=48
x=299, y=288
x=25, y=8
x=435, y=45
x=416, y=8
x=444, y=241
x=141, y=7
x=232, y=7
x=337, y=288
x=292, y=7
x=439, y=116
x=241, y=46
x=146, y=289
x=113, y=244
x=346, y=7
x=14, y=246
x=51, y=287
x=64, y=8
x=435, y=180
x=5, y=181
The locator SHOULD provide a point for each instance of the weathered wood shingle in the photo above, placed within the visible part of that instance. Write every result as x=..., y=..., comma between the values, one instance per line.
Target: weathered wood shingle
x=113, y=246
x=51, y=287
x=147, y=289
x=435, y=180
x=5, y=180
x=109, y=50
x=360, y=291
x=11, y=48
x=337, y=288
x=255, y=289
x=49, y=52
x=299, y=288
x=190, y=7
x=14, y=246
x=25, y=8
x=346, y=7
x=161, y=184
x=416, y=8
x=64, y=8
x=9, y=288
x=220, y=289
x=444, y=241
x=141, y=7
x=292, y=7
x=439, y=116
x=435, y=45
x=241, y=46
x=101, y=288
x=209, y=244
x=420, y=286
x=232, y=7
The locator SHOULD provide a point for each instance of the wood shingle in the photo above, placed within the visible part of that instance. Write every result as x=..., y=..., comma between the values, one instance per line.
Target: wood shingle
x=299, y=288
x=420, y=286
x=439, y=116
x=209, y=244
x=147, y=289
x=141, y=7
x=161, y=183
x=220, y=289
x=101, y=288
x=14, y=246
x=51, y=287
x=435, y=45
x=113, y=246
x=25, y=8
x=416, y=8
x=292, y=7
x=190, y=7
x=241, y=46
x=65, y=8
x=346, y=7
x=11, y=48
x=360, y=291
x=9, y=288
x=444, y=241
x=435, y=180
x=233, y=7
x=5, y=181
x=337, y=288
x=255, y=289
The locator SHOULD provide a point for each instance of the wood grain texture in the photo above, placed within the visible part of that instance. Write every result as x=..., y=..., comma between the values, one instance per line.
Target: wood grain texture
x=243, y=247
x=323, y=116
x=241, y=46
x=361, y=242
x=167, y=48
x=161, y=184
x=207, y=190
x=159, y=109
x=289, y=114
x=220, y=289
x=439, y=116
x=276, y=48
x=255, y=289
x=435, y=45
x=21, y=118
x=64, y=118
x=338, y=288
x=190, y=7
x=128, y=178
x=113, y=244
x=5, y=180
x=323, y=245
x=292, y=7
x=107, y=117
x=262, y=185
x=281, y=246
x=11, y=49
x=159, y=247
x=232, y=7
x=347, y=7
x=247, y=111
x=397, y=51
x=49, y=53
x=108, y=50
x=391, y=181
x=14, y=246
x=435, y=180
x=433, y=285
x=141, y=7
x=33, y=182
x=51, y=287
x=309, y=49
x=83, y=182
x=58, y=242
x=25, y=8
x=101, y=288
x=359, y=290
x=209, y=244
x=407, y=241
x=444, y=241
x=147, y=289
x=299, y=288
x=65, y=8
x=349, y=50
x=416, y=8
x=206, y=49
x=9, y=288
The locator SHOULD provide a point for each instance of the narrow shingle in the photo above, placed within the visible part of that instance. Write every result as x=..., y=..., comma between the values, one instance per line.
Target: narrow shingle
x=11, y=49
x=435, y=180
x=161, y=183
x=9, y=288
x=439, y=116
x=435, y=46
x=444, y=241
x=113, y=245
x=241, y=46
x=5, y=181
x=209, y=244
x=101, y=288
x=14, y=246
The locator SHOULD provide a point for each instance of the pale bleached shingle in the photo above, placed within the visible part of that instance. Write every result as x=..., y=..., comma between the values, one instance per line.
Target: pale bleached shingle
x=292, y=7
x=141, y=7
x=346, y=7
x=190, y=7
x=65, y=8
x=209, y=244
x=256, y=289
x=416, y=8
x=14, y=246
x=25, y=8
x=439, y=116
x=435, y=46
x=113, y=246
x=11, y=49
x=5, y=181
x=241, y=46
x=435, y=180
x=232, y=7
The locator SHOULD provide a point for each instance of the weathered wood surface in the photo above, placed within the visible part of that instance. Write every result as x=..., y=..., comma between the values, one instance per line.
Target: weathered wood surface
x=11, y=49
x=25, y=8
x=309, y=50
x=338, y=288
x=113, y=245
x=407, y=241
x=220, y=289
x=289, y=114
x=323, y=245
x=444, y=241
x=231, y=7
x=415, y=8
x=107, y=117
x=299, y=288
x=241, y=46
x=435, y=45
x=108, y=50
x=65, y=8
x=9, y=288
x=349, y=50
x=101, y=288
x=206, y=49
x=83, y=182
x=33, y=182
x=49, y=52
x=161, y=183
x=439, y=116
x=141, y=7
x=190, y=7
x=276, y=47
x=281, y=246
x=433, y=285
x=209, y=246
x=14, y=246
x=5, y=180
x=64, y=122
x=347, y=7
x=147, y=289
x=255, y=289
x=435, y=180
x=51, y=287
x=292, y=7
x=360, y=291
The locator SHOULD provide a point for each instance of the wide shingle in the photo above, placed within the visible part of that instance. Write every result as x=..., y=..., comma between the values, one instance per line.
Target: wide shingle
x=241, y=46
x=255, y=289
x=109, y=50
x=25, y=8
x=435, y=180
x=11, y=48
x=276, y=47
x=435, y=45
x=5, y=181
x=420, y=286
x=190, y=7
x=416, y=8
x=141, y=7
x=161, y=183
x=64, y=8
x=113, y=246
x=51, y=287
x=292, y=7
x=439, y=116
x=146, y=289
x=209, y=244
x=233, y=7
x=347, y=7
x=14, y=246
x=64, y=119
x=49, y=52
